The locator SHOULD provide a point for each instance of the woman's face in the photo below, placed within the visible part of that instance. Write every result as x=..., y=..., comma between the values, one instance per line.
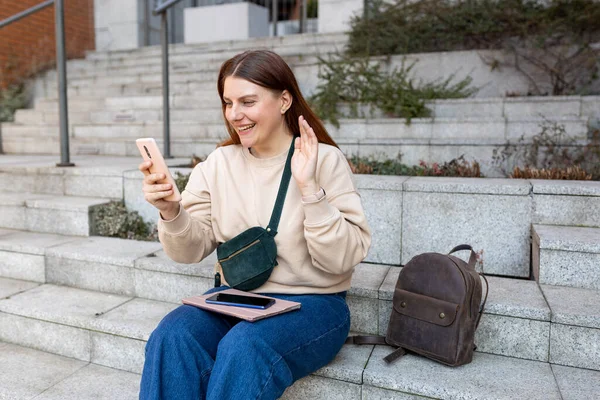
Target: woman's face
x=254, y=112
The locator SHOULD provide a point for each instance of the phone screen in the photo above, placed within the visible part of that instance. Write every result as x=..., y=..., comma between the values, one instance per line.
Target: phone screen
x=241, y=300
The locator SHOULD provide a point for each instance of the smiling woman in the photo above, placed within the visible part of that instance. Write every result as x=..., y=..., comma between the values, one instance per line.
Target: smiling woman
x=323, y=235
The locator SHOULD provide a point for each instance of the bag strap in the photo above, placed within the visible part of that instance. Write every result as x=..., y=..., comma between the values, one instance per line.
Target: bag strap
x=472, y=258
x=487, y=290
x=283, y=187
x=371, y=339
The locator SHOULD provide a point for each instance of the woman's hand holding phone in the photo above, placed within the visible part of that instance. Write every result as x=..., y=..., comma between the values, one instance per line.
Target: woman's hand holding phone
x=155, y=192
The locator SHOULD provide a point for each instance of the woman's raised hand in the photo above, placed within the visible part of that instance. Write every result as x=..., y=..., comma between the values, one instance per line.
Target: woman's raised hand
x=304, y=160
x=154, y=192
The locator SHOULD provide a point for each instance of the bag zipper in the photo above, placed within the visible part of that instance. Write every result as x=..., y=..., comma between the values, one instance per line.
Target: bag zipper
x=239, y=251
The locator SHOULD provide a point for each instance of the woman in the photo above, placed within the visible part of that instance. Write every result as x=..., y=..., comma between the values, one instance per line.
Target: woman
x=322, y=235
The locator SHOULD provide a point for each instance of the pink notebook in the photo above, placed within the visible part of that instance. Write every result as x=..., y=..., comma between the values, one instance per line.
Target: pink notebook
x=248, y=314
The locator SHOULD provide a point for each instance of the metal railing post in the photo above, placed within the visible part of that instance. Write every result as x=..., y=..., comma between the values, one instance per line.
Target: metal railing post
x=303, y=16
x=164, y=42
x=61, y=70
x=274, y=12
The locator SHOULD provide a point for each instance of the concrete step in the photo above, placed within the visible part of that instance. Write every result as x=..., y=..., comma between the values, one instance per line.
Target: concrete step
x=69, y=215
x=141, y=269
x=27, y=373
x=566, y=256
x=111, y=331
x=566, y=203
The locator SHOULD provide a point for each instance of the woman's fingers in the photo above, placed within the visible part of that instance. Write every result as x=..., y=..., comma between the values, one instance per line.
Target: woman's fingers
x=158, y=188
x=153, y=197
x=145, y=167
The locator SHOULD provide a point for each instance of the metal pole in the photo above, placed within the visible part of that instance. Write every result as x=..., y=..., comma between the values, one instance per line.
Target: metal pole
x=275, y=12
x=61, y=69
x=164, y=42
x=303, y=16
x=25, y=13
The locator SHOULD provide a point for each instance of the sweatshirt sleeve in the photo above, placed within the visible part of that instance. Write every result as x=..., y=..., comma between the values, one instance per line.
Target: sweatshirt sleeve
x=189, y=237
x=335, y=227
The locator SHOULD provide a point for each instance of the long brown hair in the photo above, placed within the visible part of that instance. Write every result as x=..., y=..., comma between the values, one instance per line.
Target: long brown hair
x=267, y=69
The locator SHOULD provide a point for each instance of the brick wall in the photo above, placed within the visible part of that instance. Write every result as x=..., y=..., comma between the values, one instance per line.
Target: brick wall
x=29, y=45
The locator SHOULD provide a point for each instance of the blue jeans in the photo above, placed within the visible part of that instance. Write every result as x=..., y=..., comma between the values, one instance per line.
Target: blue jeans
x=197, y=354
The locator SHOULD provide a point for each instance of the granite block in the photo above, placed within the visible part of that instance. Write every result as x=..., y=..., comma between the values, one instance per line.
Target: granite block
x=45, y=336
x=456, y=108
x=122, y=252
x=57, y=221
x=27, y=372
x=31, y=242
x=319, y=388
x=386, y=290
x=135, y=319
x=94, y=186
x=573, y=306
x=364, y=314
x=567, y=188
x=397, y=128
x=379, y=182
x=90, y=275
x=550, y=107
x=576, y=383
x=134, y=197
x=169, y=287
x=566, y=210
x=513, y=337
x=12, y=216
x=366, y=280
x=95, y=382
x=385, y=312
x=348, y=365
x=434, y=184
x=468, y=128
x=486, y=377
x=567, y=268
x=118, y=352
x=498, y=225
x=516, y=298
x=567, y=238
x=11, y=287
x=375, y=393
x=64, y=203
x=60, y=304
x=160, y=262
x=575, y=346
x=22, y=266
x=383, y=210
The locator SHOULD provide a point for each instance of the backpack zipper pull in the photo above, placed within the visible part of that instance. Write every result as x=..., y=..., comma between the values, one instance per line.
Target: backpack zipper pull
x=217, y=279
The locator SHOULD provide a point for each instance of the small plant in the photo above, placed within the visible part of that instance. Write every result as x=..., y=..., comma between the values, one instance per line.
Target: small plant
x=550, y=150
x=364, y=82
x=181, y=180
x=12, y=98
x=373, y=165
x=114, y=220
x=575, y=173
x=458, y=167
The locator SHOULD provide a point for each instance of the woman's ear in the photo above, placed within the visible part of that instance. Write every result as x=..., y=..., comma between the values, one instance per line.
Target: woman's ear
x=286, y=101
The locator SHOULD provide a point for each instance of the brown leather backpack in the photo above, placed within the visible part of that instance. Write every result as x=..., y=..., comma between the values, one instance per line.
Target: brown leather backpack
x=436, y=309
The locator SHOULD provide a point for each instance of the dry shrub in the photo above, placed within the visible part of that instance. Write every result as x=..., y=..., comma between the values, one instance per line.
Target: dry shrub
x=458, y=167
x=575, y=173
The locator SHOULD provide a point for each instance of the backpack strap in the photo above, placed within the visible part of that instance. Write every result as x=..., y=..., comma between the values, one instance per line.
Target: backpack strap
x=487, y=290
x=472, y=258
x=371, y=339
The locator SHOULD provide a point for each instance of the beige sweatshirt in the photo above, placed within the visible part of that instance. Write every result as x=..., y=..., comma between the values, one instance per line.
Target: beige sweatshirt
x=318, y=243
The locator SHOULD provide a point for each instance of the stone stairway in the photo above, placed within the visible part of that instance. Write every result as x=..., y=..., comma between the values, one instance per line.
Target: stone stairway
x=115, y=98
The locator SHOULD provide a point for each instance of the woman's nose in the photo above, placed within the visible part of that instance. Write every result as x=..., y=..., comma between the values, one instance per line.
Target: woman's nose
x=233, y=113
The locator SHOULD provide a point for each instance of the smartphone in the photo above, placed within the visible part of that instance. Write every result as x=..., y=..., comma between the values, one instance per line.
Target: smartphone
x=227, y=299
x=150, y=152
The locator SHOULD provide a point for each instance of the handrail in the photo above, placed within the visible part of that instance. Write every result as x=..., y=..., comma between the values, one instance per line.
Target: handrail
x=61, y=69
x=25, y=13
x=164, y=44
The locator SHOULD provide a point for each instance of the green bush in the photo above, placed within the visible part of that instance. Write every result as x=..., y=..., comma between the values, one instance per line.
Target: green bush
x=114, y=220
x=12, y=98
x=362, y=81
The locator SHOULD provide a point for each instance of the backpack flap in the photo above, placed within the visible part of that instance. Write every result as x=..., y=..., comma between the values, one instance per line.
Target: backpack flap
x=425, y=325
x=424, y=308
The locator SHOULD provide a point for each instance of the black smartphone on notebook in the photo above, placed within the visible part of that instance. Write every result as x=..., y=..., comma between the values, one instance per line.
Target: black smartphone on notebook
x=226, y=299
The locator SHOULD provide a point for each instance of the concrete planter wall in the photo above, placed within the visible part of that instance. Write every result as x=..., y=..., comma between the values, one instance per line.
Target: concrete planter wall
x=412, y=215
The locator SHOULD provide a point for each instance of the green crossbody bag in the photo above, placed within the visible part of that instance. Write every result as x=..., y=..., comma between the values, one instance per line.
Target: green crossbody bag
x=248, y=259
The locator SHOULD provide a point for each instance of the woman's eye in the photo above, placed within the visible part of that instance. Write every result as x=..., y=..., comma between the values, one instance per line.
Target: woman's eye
x=248, y=103
x=227, y=104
